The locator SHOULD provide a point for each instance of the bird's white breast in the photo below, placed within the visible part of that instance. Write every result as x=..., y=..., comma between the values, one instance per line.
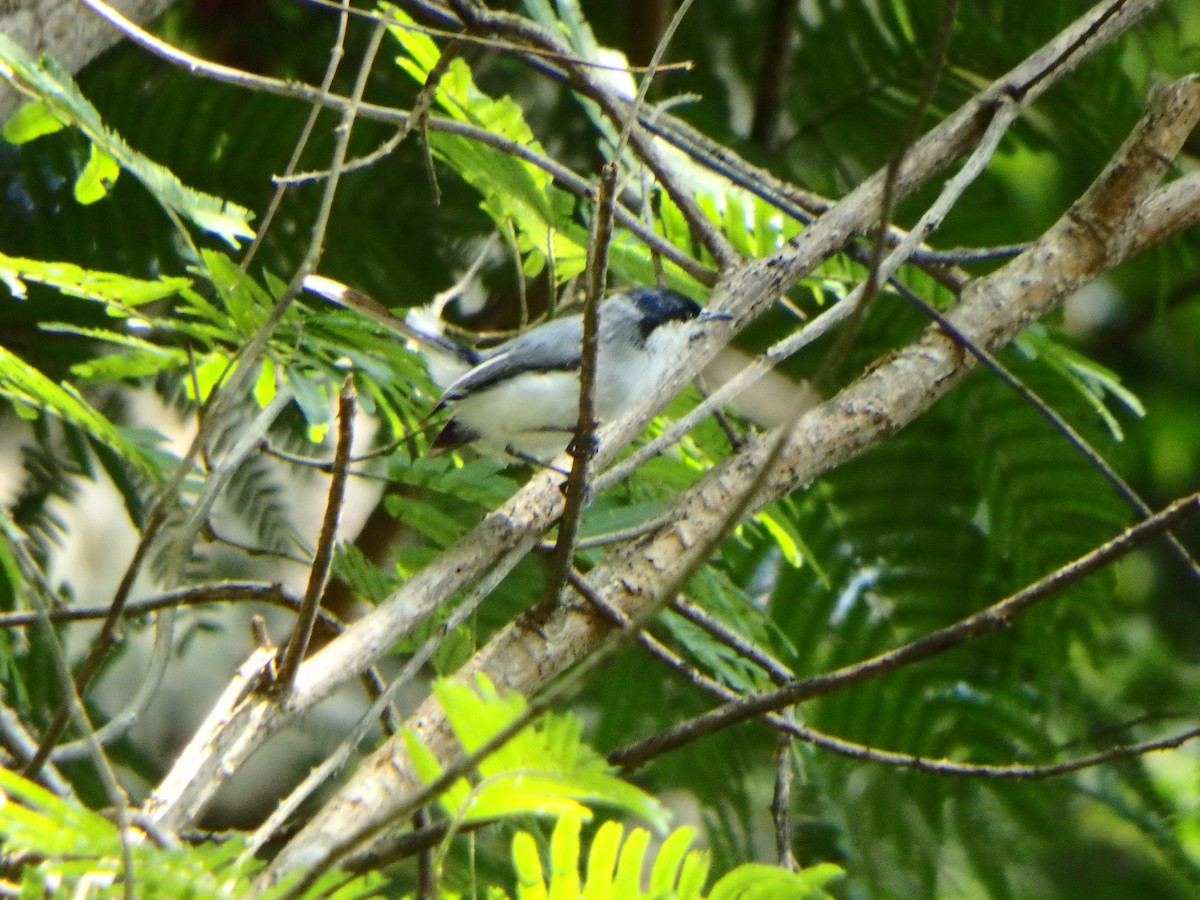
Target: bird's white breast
x=535, y=413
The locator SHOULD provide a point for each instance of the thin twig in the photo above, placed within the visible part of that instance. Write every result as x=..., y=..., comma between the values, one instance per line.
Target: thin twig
x=617, y=536
x=732, y=638
x=875, y=274
x=210, y=533
x=584, y=442
x=326, y=465
x=262, y=592
x=427, y=874
x=736, y=440
x=1046, y=411
x=1006, y=771
x=335, y=60
x=21, y=747
x=418, y=119
x=790, y=728
x=992, y=618
x=959, y=256
x=318, y=576
x=652, y=69
x=42, y=595
x=781, y=807
x=503, y=46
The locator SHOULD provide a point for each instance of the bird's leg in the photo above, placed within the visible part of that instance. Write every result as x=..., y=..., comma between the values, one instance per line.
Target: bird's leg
x=532, y=461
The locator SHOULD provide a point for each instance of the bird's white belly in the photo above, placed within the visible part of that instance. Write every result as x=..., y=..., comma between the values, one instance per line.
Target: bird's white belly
x=535, y=413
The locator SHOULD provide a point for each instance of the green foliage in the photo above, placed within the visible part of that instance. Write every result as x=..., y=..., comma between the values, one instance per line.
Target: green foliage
x=65, y=850
x=546, y=769
x=615, y=864
x=520, y=195
x=971, y=503
x=30, y=391
x=119, y=293
x=56, y=98
x=1094, y=382
x=515, y=192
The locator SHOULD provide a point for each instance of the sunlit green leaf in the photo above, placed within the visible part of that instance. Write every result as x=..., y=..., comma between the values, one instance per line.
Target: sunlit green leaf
x=25, y=386
x=45, y=80
x=119, y=293
x=97, y=177
x=546, y=769
x=31, y=121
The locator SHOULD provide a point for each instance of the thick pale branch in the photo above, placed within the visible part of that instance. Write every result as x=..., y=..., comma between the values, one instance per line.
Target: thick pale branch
x=746, y=292
x=516, y=526
x=1168, y=210
x=1094, y=235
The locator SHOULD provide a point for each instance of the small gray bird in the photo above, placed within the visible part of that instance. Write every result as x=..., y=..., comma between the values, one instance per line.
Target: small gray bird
x=522, y=397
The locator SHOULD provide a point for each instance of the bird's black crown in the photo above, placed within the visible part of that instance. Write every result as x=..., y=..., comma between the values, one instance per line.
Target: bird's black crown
x=661, y=305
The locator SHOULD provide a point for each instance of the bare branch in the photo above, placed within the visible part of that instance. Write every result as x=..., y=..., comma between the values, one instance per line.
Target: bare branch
x=993, y=618
x=584, y=443
x=640, y=576
x=318, y=576
x=893, y=394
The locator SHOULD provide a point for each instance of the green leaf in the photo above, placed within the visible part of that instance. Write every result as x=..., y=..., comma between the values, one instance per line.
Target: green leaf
x=614, y=866
x=669, y=862
x=564, y=859
x=367, y=580
x=545, y=770
x=528, y=864
x=76, y=851
x=47, y=83
x=454, y=650
x=1094, y=382
x=785, y=539
x=695, y=872
x=97, y=176
x=265, y=385
x=31, y=121
x=311, y=397
x=120, y=293
x=628, y=879
x=427, y=767
x=26, y=387
x=140, y=359
x=210, y=371
x=245, y=299
x=430, y=519
x=602, y=862
x=755, y=881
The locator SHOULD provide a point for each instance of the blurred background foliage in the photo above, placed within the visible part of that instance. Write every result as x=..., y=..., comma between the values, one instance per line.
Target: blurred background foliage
x=975, y=500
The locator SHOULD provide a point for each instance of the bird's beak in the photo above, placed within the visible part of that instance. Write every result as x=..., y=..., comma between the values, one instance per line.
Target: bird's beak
x=706, y=316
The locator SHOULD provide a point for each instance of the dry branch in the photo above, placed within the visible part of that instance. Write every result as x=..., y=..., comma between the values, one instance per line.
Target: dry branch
x=1095, y=235
x=516, y=527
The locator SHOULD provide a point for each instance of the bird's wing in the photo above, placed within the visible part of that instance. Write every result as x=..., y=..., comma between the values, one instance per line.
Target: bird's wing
x=553, y=347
